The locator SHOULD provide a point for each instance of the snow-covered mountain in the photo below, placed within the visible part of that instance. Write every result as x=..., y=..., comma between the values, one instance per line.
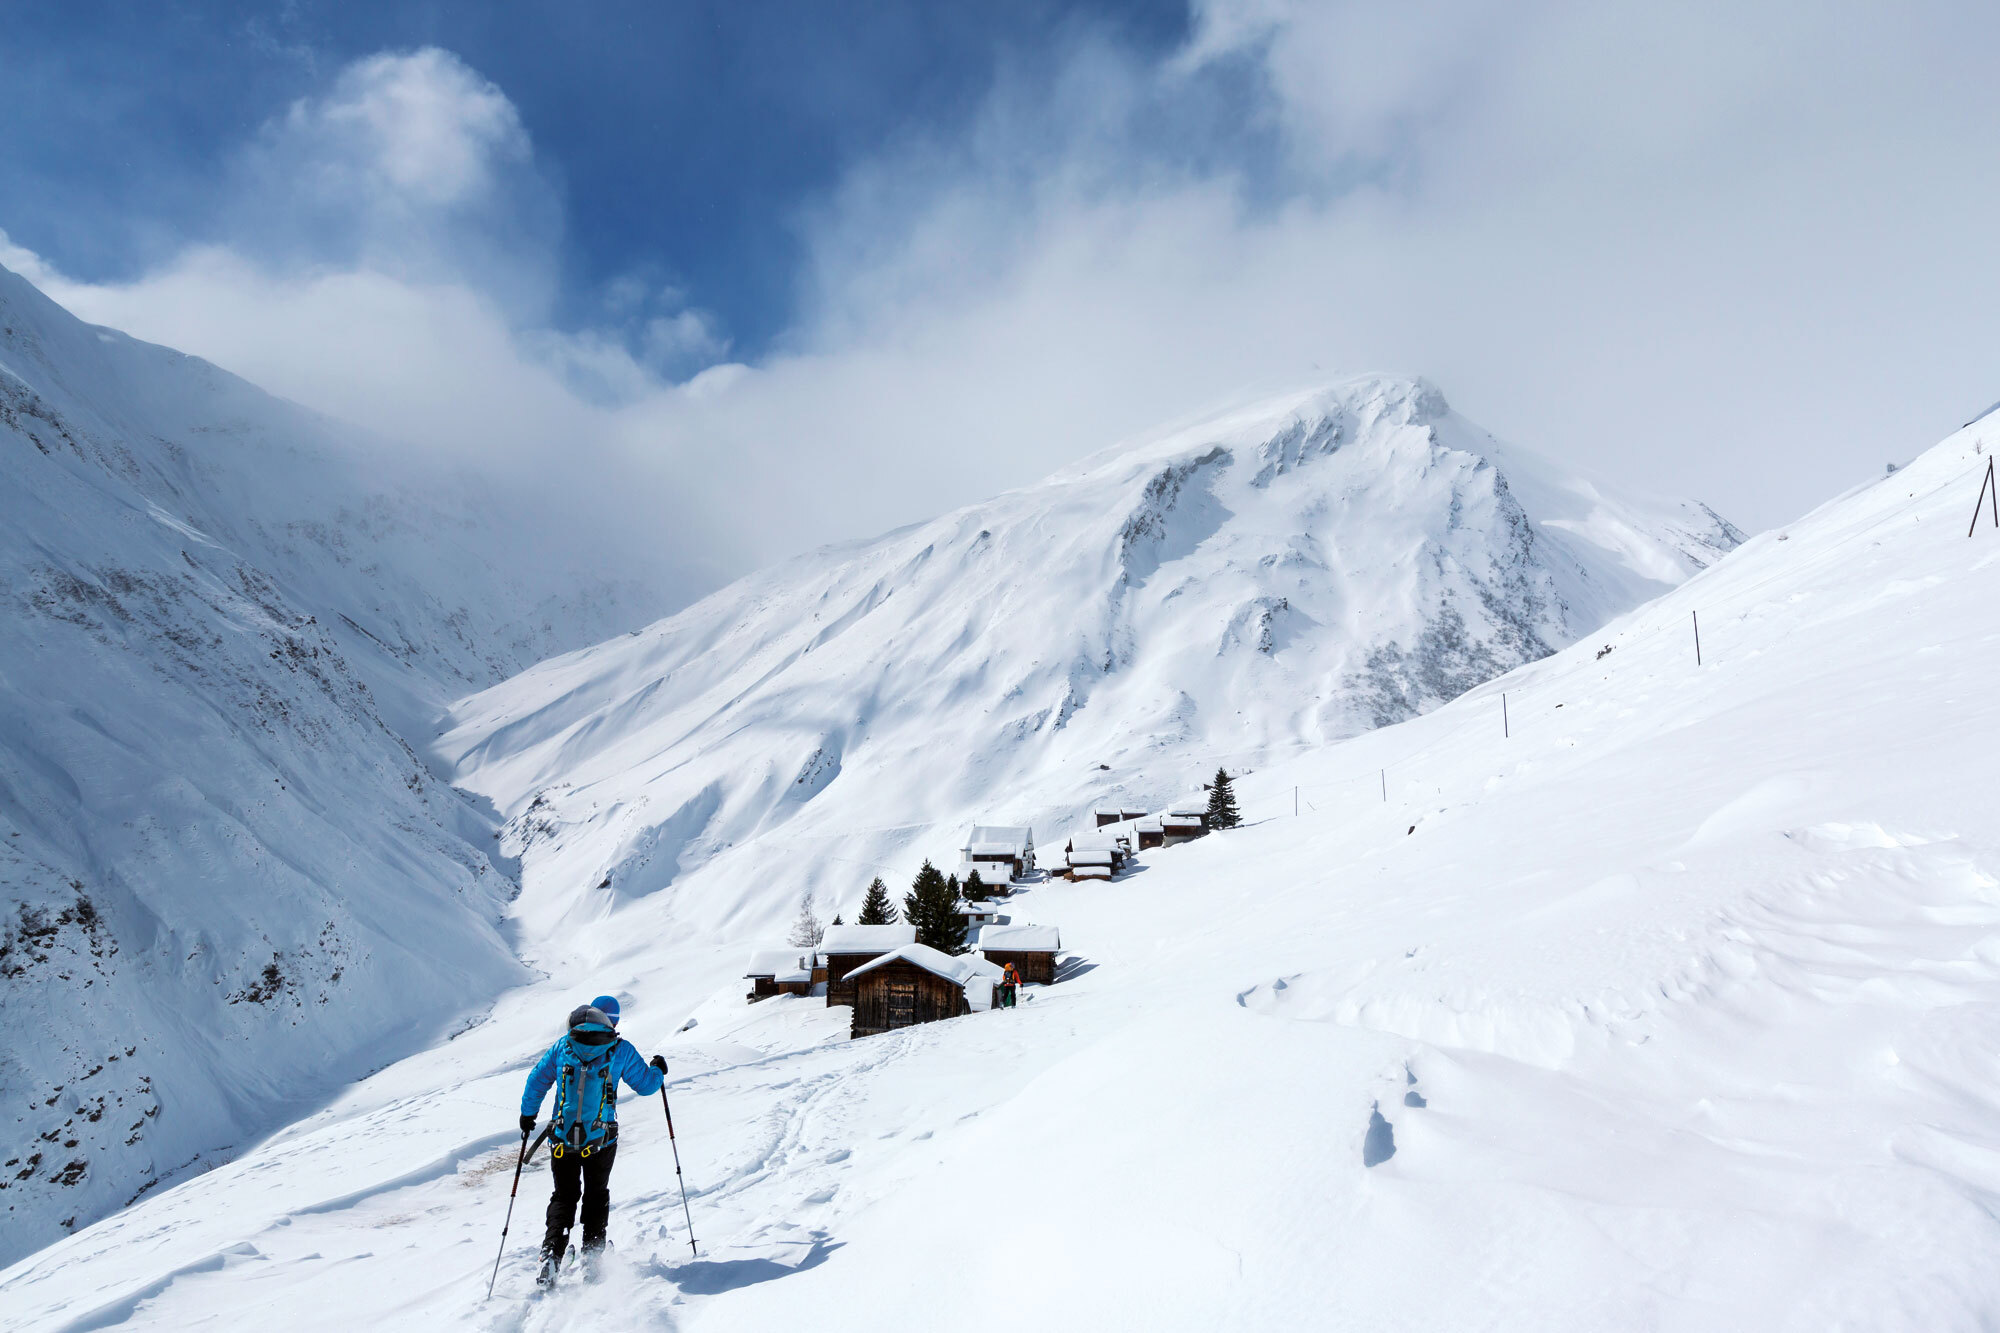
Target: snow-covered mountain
x=1675, y=1005
x=228, y=883
x=1284, y=575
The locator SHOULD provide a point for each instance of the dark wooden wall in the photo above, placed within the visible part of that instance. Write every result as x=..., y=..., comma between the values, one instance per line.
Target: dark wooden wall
x=762, y=988
x=930, y=998
x=839, y=990
x=1037, y=966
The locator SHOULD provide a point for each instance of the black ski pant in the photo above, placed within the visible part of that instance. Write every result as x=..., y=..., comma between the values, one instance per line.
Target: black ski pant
x=590, y=1178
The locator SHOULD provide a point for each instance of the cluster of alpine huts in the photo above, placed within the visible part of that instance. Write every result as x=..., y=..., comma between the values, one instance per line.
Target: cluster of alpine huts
x=952, y=950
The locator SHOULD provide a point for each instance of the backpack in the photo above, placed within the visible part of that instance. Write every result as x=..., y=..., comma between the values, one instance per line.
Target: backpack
x=586, y=1118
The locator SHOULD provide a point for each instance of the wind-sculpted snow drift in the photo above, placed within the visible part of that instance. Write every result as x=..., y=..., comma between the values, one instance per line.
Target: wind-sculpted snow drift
x=1289, y=574
x=227, y=882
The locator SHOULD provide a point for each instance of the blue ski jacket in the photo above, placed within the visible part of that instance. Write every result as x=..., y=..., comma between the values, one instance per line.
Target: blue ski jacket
x=589, y=1085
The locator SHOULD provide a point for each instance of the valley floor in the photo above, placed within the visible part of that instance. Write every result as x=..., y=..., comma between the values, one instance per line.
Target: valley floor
x=1677, y=1008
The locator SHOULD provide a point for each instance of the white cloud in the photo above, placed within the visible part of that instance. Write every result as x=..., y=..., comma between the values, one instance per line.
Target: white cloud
x=1736, y=250
x=421, y=126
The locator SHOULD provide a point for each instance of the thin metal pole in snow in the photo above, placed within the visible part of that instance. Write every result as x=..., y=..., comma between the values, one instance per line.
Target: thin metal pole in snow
x=1992, y=483
x=1505, y=731
x=1697, y=636
x=1385, y=786
x=1295, y=803
x=677, y=1166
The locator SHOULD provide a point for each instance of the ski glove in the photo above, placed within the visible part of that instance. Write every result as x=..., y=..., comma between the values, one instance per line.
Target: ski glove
x=659, y=1062
x=527, y=1125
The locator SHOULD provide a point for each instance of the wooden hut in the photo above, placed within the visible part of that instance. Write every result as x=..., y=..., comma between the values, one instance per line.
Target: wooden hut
x=1127, y=816
x=848, y=947
x=1182, y=826
x=1101, y=858
x=918, y=984
x=1108, y=815
x=777, y=972
x=993, y=879
x=1030, y=948
x=1151, y=833
x=1001, y=853
x=979, y=914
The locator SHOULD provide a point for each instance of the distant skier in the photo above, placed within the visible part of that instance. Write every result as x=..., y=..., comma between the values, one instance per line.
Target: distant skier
x=584, y=1067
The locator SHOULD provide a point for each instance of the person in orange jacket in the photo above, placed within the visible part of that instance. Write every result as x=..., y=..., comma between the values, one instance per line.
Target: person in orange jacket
x=1010, y=982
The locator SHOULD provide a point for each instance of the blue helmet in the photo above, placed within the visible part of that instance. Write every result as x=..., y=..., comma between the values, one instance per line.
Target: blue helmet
x=608, y=1006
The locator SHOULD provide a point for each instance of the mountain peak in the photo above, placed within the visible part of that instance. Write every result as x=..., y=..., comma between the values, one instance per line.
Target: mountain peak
x=1297, y=570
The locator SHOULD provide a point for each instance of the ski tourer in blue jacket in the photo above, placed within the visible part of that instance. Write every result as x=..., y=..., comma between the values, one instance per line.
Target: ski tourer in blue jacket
x=584, y=1067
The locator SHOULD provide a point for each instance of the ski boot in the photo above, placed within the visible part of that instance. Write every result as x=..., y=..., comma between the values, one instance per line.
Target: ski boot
x=593, y=1262
x=545, y=1280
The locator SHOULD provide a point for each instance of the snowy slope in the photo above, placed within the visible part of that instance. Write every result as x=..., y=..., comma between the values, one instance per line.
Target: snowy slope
x=1287, y=574
x=228, y=884
x=1678, y=1008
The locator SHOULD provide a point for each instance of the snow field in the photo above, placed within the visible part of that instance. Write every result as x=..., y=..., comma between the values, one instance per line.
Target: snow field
x=1679, y=1009
x=1675, y=1009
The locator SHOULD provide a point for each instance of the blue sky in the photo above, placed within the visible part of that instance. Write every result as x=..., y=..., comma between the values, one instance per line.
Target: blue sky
x=753, y=277
x=682, y=139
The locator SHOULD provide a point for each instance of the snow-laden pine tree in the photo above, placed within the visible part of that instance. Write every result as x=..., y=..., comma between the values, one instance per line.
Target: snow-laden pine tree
x=975, y=889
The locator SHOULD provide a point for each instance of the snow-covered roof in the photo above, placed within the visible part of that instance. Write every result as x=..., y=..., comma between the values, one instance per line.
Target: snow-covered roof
x=1093, y=856
x=866, y=939
x=978, y=909
x=1149, y=826
x=1188, y=812
x=1181, y=821
x=1021, y=937
x=773, y=962
x=1016, y=841
x=957, y=969
x=1111, y=810
x=993, y=851
x=1091, y=872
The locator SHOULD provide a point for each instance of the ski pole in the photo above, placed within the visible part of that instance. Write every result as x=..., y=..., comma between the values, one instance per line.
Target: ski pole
x=677, y=1166
x=519, y=1162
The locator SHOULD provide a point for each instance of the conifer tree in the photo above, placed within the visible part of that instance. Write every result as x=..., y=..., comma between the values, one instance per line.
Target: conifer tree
x=931, y=906
x=975, y=889
x=1222, y=812
x=948, y=935
x=836, y=921
x=876, y=909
